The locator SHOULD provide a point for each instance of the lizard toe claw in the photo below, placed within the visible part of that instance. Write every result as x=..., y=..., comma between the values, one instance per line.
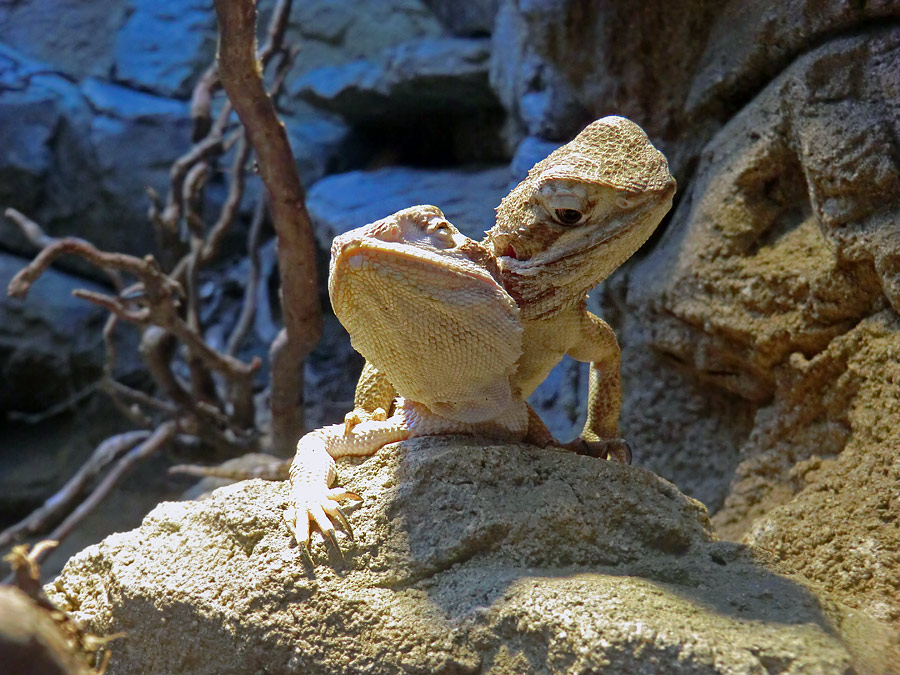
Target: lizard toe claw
x=339, y=494
x=312, y=508
x=351, y=419
x=359, y=415
x=612, y=449
x=320, y=516
x=337, y=513
x=299, y=528
x=620, y=452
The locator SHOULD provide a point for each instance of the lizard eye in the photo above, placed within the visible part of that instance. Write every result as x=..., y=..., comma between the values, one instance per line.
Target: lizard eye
x=568, y=216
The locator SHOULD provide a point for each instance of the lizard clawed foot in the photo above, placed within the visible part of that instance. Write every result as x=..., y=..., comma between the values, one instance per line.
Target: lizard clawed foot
x=611, y=449
x=312, y=506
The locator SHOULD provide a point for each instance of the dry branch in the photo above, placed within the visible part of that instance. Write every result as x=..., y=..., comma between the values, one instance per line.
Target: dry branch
x=204, y=397
x=106, y=453
x=156, y=441
x=242, y=80
x=248, y=308
x=41, y=240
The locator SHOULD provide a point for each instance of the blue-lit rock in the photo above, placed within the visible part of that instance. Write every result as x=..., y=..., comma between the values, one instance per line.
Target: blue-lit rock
x=435, y=74
x=165, y=45
x=467, y=197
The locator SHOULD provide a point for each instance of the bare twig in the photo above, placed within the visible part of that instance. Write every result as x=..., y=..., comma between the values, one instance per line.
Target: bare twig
x=286, y=397
x=157, y=285
x=232, y=202
x=201, y=102
x=106, y=453
x=27, y=572
x=202, y=386
x=161, y=298
x=279, y=471
x=239, y=72
x=151, y=445
x=274, y=32
x=248, y=308
x=191, y=196
x=36, y=235
x=115, y=390
x=118, y=390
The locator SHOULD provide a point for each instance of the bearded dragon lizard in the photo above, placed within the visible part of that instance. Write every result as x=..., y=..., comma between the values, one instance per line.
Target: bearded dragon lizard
x=458, y=334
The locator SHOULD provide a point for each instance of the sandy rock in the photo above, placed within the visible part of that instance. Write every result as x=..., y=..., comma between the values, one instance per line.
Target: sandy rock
x=680, y=70
x=821, y=489
x=777, y=281
x=468, y=557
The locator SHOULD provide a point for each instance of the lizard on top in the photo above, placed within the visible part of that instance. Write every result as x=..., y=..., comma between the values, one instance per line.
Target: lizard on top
x=457, y=334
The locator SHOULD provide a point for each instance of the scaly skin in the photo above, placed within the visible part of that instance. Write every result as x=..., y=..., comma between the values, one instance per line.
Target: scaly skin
x=614, y=187
x=421, y=304
x=577, y=216
x=459, y=367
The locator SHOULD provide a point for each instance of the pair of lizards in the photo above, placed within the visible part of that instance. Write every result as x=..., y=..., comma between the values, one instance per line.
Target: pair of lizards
x=457, y=334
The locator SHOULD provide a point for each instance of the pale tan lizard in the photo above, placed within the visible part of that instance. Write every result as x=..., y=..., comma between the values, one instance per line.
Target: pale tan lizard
x=578, y=215
x=424, y=305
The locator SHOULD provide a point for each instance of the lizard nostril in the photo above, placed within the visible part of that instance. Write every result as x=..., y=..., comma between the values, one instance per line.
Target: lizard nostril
x=389, y=232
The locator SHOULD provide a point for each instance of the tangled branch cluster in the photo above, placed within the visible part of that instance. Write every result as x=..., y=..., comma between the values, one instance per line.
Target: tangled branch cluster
x=203, y=396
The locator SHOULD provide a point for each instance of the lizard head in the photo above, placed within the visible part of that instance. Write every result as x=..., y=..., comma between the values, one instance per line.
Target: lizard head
x=423, y=304
x=579, y=214
x=418, y=243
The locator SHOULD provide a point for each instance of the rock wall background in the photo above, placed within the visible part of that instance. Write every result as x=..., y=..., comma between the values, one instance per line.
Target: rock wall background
x=759, y=327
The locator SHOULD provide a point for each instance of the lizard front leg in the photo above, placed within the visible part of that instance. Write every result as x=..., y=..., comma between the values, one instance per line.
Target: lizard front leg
x=373, y=399
x=597, y=344
x=313, y=500
x=312, y=473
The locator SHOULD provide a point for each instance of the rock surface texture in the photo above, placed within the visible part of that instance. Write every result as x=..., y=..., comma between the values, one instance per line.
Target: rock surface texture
x=759, y=329
x=469, y=557
x=760, y=333
x=777, y=281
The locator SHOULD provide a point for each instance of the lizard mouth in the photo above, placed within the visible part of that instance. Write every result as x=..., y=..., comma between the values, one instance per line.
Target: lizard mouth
x=387, y=262
x=512, y=260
